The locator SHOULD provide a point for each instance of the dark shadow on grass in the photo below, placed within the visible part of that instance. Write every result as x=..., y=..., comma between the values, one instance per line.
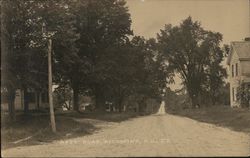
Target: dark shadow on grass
x=236, y=119
x=37, y=125
x=41, y=132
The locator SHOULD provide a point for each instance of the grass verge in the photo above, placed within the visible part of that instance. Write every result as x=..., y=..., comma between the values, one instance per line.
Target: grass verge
x=237, y=119
x=34, y=129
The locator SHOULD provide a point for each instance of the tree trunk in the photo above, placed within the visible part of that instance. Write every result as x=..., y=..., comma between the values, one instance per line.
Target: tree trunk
x=192, y=96
x=38, y=100
x=120, y=98
x=22, y=99
x=99, y=99
x=192, y=99
x=120, y=104
x=26, y=101
x=76, y=98
x=213, y=100
x=11, y=104
x=141, y=104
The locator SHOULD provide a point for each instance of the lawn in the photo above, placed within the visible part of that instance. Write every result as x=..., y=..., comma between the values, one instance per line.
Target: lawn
x=35, y=129
x=237, y=119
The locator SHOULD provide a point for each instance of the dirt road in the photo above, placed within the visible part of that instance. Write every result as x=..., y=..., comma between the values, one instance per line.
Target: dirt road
x=155, y=135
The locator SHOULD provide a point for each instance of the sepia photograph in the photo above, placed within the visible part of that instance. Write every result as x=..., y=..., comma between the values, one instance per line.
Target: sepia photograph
x=125, y=78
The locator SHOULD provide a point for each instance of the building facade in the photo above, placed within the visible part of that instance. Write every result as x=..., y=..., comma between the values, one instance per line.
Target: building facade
x=36, y=100
x=239, y=70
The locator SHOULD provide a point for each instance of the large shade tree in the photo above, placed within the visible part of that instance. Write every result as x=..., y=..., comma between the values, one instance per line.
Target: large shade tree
x=195, y=54
x=132, y=69
x=23, y=60
x=24, y=51
x=99, y=26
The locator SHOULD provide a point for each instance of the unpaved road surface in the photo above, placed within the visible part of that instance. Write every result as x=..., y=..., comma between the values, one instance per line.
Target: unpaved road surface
x=155, y=135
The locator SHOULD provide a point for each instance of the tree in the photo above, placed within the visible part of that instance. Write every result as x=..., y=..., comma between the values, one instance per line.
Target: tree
x=63, y=97
x=243, y=94
x=20, y=34
x=25, y=50
x=99, y=24
x=83, y=30
x=28, y=49
x=151, y=75
x=132, y=69
x=224, y=97
x=114, y=27
x=195, y=53
x=8, y=78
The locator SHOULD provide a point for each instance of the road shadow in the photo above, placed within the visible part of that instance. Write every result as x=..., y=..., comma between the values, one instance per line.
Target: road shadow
x=236, y=119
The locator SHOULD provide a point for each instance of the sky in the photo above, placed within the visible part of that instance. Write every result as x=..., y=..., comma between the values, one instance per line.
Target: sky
x=229, y=17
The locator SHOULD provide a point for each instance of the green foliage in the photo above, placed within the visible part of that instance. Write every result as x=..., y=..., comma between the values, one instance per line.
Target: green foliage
x=63, y=97
x=92, y=52
x=243, y=95
x=99, y=25
x=25, y=53
x=129, y=69
x=224, y=97
x=195, y=54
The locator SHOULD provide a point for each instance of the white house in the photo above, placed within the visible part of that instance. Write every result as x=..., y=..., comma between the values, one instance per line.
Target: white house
x=239, y=69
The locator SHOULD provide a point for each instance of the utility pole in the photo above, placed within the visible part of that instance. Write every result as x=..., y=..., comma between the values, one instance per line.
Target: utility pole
x=48, y=35
x=52, y=115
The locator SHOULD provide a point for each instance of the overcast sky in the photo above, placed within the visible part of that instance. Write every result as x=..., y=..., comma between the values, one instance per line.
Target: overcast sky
x=229, y=17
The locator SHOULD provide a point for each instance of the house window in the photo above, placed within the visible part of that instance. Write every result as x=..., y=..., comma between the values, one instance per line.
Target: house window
x=232, y=70
x=236, y=69
x=233, y=94
x=4, y=97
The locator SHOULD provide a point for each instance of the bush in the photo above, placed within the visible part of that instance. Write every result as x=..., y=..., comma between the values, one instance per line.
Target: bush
x=243, y=94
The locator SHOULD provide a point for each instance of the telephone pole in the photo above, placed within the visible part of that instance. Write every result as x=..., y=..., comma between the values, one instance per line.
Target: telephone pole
x=52, y=115
x=48, y=36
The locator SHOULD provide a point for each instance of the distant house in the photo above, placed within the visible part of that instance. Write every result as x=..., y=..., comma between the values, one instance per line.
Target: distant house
x=239, y=69
x=36, y=100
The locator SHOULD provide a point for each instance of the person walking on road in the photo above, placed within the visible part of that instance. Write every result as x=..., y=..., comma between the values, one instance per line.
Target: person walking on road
x=161, y=110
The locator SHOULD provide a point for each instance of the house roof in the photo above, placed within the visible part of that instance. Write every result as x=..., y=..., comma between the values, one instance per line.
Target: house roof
x=242, y=49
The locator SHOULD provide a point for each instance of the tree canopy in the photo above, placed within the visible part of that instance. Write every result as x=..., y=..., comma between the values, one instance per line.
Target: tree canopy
x=195, y=53
x=93, y=52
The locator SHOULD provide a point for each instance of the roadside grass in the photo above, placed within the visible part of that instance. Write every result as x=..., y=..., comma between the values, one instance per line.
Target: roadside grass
x=237, y=119
x=104, y=116
x=34, y=129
